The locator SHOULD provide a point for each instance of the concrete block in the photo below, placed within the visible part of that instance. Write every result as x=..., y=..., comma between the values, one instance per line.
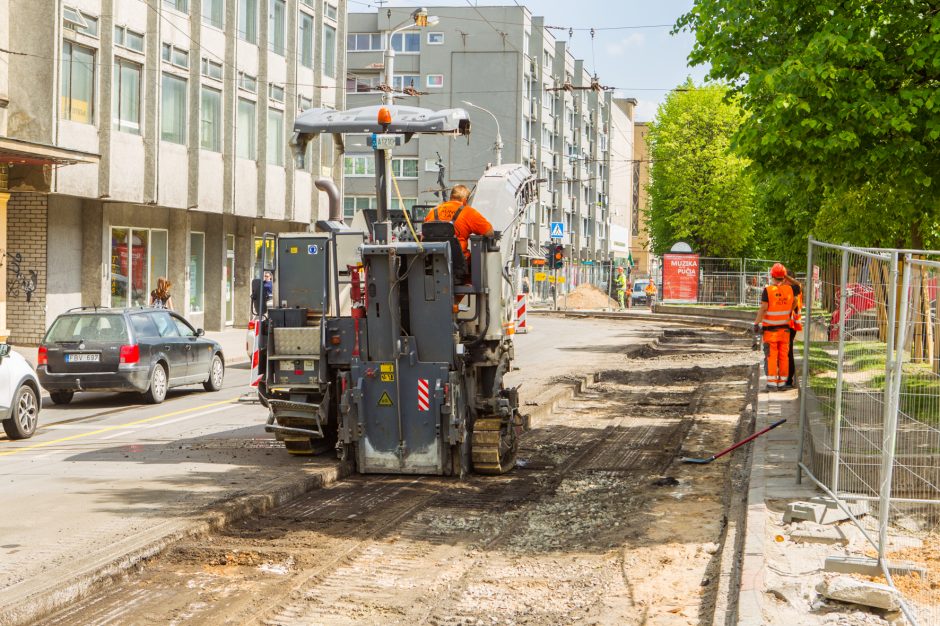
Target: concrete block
x=848, y=589
x=869, y=566
x=822, y=511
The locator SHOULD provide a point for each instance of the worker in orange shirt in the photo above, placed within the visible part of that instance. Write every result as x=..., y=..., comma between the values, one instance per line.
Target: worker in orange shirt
x=777, y=303
x=466, y=220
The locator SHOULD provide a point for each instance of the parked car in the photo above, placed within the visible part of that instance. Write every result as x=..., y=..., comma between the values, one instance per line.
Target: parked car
x=19, y=394
x=638, y=295
x=143, y=350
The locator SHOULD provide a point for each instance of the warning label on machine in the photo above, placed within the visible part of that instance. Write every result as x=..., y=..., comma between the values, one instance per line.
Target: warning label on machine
x=386, y=400
x=387, y=378
x=387, y=368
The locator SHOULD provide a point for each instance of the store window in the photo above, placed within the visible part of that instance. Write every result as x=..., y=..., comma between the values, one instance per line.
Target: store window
x=78, y=83
x=125, y=106
x=138, y=258
x=197, y=269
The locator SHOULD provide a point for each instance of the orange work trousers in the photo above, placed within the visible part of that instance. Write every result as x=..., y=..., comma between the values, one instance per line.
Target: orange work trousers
x=777, y=352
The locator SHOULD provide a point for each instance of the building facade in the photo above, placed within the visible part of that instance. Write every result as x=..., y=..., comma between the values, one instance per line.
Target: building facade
x=175, y=118
x=504, y=60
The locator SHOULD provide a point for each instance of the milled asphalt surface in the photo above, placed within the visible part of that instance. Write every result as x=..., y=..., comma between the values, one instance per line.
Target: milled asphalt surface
x=107, y=481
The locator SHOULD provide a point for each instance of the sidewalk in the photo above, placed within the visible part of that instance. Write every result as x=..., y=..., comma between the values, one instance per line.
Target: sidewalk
x=231, y=339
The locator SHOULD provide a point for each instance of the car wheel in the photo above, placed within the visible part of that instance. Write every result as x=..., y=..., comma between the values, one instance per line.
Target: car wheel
x=61, y=397
x=24, y=414
x=156, y=393
x=216, y=374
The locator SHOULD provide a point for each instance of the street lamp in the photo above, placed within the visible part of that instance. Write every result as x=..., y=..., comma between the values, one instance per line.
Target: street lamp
x=419, y=17
x=498, y=146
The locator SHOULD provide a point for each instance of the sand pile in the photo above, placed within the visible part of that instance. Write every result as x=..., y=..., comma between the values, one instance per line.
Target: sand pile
x=586, y=296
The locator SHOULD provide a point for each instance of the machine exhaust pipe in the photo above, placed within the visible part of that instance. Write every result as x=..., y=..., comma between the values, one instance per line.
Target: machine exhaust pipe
x=332, y=192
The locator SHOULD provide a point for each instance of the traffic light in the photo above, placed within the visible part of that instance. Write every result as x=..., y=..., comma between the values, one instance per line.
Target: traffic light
x=550, y=255
x=558, y=256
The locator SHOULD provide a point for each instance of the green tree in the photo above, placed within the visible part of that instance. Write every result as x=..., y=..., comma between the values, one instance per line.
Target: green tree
x=843, y=103
x=699, y=189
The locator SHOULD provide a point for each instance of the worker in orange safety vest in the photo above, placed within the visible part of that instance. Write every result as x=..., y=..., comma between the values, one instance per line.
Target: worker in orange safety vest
x=777, y=303
x=796, y=324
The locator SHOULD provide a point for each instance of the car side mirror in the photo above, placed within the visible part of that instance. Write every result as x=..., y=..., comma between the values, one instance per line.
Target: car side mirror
x=200, y=332
x=5, y=349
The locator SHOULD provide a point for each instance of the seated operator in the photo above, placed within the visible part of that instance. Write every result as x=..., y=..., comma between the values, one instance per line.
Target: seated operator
x=468, y=222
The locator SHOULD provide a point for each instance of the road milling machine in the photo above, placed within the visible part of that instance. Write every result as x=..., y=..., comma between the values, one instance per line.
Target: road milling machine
x=369, y=342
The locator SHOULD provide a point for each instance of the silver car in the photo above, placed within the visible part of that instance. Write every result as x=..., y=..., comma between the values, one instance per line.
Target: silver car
x=19, y=394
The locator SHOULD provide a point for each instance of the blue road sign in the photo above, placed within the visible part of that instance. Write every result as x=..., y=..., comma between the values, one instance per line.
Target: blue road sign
x=557, y=230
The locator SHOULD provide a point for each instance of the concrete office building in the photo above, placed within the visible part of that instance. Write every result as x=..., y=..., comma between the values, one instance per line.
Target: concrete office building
x=175, y=117
x=504, y=60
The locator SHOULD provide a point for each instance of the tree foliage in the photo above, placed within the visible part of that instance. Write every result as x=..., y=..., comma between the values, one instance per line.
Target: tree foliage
x=699, y=190
x=843, y=103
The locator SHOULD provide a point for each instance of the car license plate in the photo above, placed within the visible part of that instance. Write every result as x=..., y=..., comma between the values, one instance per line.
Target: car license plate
x=82, y=358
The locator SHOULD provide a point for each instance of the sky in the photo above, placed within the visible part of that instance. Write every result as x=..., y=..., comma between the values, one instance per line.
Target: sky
x=642, y=63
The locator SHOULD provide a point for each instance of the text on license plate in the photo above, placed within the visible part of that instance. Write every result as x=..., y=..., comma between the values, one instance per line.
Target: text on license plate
x=82, y=358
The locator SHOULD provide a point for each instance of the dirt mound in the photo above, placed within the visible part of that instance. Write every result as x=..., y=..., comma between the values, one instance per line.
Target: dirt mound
x=587, y=296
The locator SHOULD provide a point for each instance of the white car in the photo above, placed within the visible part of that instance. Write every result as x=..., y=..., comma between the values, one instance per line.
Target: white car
x=19, y=394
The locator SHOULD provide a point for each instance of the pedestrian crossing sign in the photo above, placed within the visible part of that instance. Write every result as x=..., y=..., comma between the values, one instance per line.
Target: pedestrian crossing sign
x=557, y=230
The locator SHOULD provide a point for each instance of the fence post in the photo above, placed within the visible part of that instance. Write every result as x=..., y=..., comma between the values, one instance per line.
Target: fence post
x=837, y=419
x=893, y=395
x=808, y=293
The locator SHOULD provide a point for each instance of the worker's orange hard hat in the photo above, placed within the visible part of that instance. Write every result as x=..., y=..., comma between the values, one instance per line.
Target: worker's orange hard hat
x=778, y=271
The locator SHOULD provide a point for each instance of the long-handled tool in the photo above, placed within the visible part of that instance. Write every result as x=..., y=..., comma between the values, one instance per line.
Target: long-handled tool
x=735, y=446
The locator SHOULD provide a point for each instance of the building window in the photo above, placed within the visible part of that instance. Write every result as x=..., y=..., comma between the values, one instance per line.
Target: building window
x=79, y=22
x=276, y=92
x=364, y=42
x=435, y=39
x=175, y=56
x=178, y=5
x=329, y=51
x=213, y=13
x=173, y=112
x=304, y=103
x=248, y=20
x=78, y=83
x=363, y=165
x=409, y=204
x=329, y=11
x=407, y=42
x=351, y=204
x=211, y=69
x=138, y=258
x=277, y=12
x=275, y=137
x=400, y=81
x=245, y=137
x=248, y=82
x=435, y=81
x=361, y=84
x=405, y=168
x=305, y=45
x=309, y=3
x=210, y=115
x=125, y=101
x=635, y=218
x=197, y=272
x=127, y=38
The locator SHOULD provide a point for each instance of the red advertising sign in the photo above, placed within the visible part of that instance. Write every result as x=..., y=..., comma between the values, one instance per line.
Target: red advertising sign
x=680, y=278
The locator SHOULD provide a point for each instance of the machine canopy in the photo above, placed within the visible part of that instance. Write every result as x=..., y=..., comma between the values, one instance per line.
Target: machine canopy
x=405, y=120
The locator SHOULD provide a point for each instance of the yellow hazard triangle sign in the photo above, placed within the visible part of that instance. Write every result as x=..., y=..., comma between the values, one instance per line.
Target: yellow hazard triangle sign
x=386, y=400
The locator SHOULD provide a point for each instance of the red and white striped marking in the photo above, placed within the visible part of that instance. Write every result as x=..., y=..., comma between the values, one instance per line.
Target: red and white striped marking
x=255, y=377
x=521, y=326
x=424, y=403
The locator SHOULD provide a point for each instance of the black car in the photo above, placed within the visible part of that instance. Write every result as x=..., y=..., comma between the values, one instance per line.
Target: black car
x=143, y=350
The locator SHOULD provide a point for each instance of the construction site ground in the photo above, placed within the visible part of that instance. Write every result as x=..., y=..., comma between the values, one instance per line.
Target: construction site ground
x=597, y=524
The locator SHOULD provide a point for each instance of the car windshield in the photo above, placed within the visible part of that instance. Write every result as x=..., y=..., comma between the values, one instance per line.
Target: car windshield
x=88, y=327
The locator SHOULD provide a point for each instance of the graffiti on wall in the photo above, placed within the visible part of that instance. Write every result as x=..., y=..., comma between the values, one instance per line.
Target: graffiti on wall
x=24, y=281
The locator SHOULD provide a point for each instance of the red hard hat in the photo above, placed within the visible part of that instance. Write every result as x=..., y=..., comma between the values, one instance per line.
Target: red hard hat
x=778, y=271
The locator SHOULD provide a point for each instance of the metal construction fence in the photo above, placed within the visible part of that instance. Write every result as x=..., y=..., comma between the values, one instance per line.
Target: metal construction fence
x=870, y=404
x=543, y=282
x=726, y=281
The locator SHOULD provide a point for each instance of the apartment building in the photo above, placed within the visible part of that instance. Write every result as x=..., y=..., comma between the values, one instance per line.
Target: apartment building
x=535, y=93
x=640, y=242
x=174, y=118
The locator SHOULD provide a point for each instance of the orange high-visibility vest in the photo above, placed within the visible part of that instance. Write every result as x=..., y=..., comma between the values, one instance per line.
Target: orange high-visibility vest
x=779, y=307
x=796, y=318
